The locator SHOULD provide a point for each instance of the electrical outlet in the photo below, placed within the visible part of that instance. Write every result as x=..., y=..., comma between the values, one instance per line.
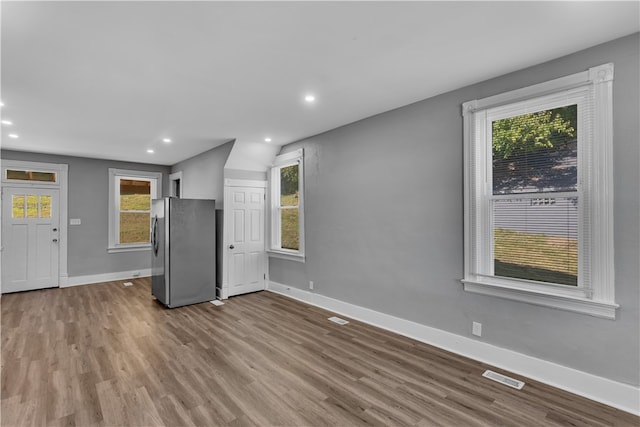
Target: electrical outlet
x=476, y=329
x=311, y=284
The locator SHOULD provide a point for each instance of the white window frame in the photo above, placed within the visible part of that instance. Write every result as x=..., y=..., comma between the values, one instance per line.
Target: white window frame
x=595, y=293
x=275, y=248
x=115, y=175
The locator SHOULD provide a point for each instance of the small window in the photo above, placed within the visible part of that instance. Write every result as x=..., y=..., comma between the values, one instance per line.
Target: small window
x=30, y=206
x=45, y=206
x=131, y=193
x=18, y=210
x=287, y=214
x=24, y=175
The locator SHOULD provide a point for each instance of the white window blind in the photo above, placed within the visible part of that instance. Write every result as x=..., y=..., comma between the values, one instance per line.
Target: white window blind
x=534, y=194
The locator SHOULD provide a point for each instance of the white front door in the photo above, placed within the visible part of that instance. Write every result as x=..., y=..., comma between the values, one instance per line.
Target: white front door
x=30, y=238
x=246, y=250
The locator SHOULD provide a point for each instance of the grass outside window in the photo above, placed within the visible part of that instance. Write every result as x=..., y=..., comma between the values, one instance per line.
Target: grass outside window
x=289, y=208
x=535, y=257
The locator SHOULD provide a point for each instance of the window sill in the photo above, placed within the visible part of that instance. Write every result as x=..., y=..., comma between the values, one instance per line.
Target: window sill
x=286, y=255
x=132, y=248
x=602, y=309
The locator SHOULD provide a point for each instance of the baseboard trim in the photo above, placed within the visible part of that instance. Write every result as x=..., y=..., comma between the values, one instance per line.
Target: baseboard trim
x=66, y=282
x=612, y=393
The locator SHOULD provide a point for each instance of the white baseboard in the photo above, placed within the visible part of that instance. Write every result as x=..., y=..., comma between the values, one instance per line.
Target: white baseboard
x=66, y=282
x=618, y=395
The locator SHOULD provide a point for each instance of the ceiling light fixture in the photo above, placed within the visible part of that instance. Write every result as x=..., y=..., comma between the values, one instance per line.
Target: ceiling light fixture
x=267, y=140
x=13, y=135
x=150, y=151
x=167, y=140
x=309, y=98
x=7, y=122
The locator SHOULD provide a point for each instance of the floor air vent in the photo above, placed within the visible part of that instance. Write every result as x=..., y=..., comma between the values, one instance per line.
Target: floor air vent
x=338, y=320
x=503, y=379
x=127, y=284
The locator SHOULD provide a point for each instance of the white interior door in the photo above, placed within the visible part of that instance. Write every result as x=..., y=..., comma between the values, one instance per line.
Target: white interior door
x=246, y=249
x=30, y=234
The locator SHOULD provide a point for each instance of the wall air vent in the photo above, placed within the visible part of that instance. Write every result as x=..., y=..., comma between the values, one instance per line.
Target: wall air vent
x=503, y=379
x=338, y=320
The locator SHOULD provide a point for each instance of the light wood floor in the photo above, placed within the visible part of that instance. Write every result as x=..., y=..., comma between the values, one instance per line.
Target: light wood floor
x=109, y=355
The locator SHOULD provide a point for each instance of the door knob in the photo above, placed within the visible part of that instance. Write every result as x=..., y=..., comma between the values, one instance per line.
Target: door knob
x=231, y=247
x=55, y=229
x=55, y=240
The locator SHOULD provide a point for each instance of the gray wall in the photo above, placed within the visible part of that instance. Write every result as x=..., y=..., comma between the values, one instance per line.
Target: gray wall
x=203, y=175
x=89, y=201
x=384, y=223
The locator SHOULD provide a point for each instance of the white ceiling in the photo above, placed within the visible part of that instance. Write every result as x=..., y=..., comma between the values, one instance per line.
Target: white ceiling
x=110, y=79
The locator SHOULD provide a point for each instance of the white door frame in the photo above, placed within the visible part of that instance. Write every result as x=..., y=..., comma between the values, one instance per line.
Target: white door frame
x=62, y=172
x=223, y=292
x=176, y=176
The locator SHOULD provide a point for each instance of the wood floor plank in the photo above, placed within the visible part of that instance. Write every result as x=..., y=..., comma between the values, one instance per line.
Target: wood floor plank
x=90, y=412
x=109, y=355
x=112, y=403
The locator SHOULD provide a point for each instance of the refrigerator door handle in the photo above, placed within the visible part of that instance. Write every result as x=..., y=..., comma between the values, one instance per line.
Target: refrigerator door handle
x=154, y=235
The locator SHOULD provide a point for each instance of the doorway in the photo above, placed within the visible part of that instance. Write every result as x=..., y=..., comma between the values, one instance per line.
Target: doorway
x=31, y=235
x=34, y=214
x=244, y=254
x=175, y=185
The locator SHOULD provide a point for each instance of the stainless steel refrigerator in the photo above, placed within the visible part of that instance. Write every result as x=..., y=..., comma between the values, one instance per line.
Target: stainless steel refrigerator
x=183, y=260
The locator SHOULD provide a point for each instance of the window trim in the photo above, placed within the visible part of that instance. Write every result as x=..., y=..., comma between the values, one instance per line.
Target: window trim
x=600, y=302
x=275, y=250
x=115, y=175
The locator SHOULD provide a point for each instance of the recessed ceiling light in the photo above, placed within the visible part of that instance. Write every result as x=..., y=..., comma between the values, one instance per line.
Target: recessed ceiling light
x=167, y=140
x=13, y=135
x=309, y=98
x=7, y=122
x=150, y=151
x=267, y=140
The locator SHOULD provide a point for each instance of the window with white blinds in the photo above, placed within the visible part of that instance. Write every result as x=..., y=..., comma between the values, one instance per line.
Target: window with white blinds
x=538, y=190
x=534, y=192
